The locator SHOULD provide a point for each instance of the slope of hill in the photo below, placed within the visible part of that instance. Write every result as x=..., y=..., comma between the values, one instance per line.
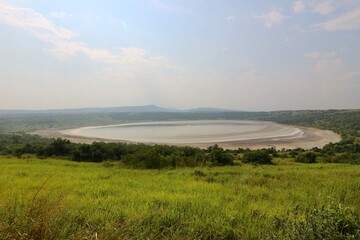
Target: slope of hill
x=122, y=109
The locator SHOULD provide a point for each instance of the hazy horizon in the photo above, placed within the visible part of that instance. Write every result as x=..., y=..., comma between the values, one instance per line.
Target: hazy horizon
x=241, y=55
x=173, y=108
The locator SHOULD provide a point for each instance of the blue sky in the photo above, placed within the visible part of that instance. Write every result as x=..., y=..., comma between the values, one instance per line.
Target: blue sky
x=247, y=55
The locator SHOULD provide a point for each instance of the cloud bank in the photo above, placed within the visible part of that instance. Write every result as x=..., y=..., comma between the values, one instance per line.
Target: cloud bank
x=348, y=21
x=272, y=18
x=64, y=41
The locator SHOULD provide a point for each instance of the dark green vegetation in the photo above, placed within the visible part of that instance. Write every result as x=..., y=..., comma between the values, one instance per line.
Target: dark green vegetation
x=57, y=199
x=306, y=157
x=13, y=141
x=133, y=155
x=260, y=157
x=44, y=196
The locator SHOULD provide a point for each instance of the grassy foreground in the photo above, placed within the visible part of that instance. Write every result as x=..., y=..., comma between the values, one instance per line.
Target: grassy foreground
x=55, y=199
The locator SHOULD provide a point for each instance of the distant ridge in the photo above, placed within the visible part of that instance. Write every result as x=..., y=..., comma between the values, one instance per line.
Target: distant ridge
x=123, y=109
x=209, y=110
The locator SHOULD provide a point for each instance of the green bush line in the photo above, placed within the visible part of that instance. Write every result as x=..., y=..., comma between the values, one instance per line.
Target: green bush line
x=164, y=156
x=344, y=122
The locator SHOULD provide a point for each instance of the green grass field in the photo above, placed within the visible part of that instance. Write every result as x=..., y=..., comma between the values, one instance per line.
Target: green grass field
x=56, y=199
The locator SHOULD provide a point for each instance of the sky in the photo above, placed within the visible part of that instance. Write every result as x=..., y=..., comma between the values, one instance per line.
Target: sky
x=234, y=54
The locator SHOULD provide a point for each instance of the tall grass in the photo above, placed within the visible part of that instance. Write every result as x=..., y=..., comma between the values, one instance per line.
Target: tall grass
x=54, y=199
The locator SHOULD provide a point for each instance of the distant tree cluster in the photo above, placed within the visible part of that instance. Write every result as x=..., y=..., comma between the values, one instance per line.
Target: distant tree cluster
x=344, y=122
x=163, y=156
x=133, y=155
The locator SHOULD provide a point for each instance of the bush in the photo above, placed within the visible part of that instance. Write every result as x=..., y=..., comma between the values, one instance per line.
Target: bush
x=307, y=157
x=149, y=159
x=59, y=147
x=218, y=156
x=353, y=158
x=257, y=156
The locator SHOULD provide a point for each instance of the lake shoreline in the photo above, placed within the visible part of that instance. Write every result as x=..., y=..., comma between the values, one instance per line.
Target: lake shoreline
x=310, y=138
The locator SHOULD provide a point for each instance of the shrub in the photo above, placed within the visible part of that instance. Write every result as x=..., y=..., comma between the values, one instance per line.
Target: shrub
x=218, y=156
x=257, y=156
x=353, y=158
x=59, y=147
x=148, y=159
x=307, y=157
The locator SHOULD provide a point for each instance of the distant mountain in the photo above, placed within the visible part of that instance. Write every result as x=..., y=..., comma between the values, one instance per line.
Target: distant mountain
x=145, y=108
x=209, y=110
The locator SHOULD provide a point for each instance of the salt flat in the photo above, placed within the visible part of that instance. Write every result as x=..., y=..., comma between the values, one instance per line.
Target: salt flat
x=203, y=133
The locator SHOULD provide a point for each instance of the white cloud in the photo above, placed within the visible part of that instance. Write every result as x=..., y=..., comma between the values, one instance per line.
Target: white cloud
x=59, y=14
x=272, y=18
x=134, y=76
x=352, y=76
x=324, y=7
x=230, y=18
x=299, y=6
x=348, y=21
x=33, y=22
x=326, y=62
x=64, y=44
x=324, y=65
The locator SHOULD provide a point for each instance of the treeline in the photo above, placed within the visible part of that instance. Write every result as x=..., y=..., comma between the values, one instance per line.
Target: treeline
x=344, y=122
x=345, y=151
x=10, y=144
x=164, y=156
x=13, y=141
x=133, y=155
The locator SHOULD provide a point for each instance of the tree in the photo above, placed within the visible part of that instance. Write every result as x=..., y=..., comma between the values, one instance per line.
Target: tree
x=59, y=147
x=218, y=156
x=307, y=157
x=257, y=156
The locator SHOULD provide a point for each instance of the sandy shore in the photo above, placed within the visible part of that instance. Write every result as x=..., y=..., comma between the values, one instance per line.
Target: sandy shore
x=311, y=138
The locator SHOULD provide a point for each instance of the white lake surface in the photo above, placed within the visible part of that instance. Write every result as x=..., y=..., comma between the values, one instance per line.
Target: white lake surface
x=188, y=132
